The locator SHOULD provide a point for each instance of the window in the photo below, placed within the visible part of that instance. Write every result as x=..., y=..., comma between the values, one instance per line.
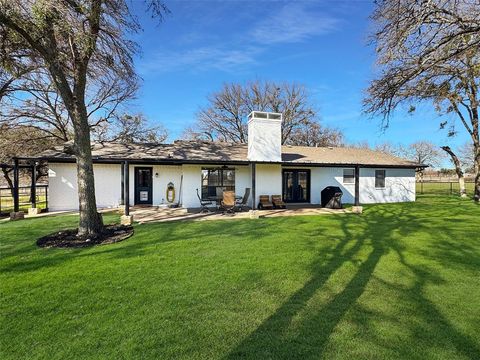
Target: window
x=216, y=181
x=379, y=178
x=349, y=176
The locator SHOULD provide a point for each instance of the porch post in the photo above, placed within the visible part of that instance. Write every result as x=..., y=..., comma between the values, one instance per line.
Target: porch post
x=33, y=190
x=122, y=184
x=126, y=188
x=15, y=185
x=254, y=197
x=357, y=185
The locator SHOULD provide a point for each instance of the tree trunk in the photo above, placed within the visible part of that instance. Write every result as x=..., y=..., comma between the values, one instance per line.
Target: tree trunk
x=91, y=223
x=458, y=170
x=6, y=175
x=476, y=166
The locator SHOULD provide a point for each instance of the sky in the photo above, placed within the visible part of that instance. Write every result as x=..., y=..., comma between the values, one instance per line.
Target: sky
x=201, y=45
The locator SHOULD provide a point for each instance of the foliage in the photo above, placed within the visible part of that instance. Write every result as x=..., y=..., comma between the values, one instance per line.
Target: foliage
x=399, y=281
x=428, y=51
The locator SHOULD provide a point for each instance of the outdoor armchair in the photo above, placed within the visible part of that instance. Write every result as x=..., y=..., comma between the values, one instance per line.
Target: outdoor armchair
x=204, y=203
x=228, y=202
x=278, y=202
x=265, y=202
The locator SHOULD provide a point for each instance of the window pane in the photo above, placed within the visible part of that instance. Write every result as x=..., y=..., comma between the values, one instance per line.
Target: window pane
x=380, y=178
x=215, y=181
x=348, y=176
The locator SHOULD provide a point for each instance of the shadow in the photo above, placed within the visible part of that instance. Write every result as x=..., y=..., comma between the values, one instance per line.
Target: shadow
x=302, y=328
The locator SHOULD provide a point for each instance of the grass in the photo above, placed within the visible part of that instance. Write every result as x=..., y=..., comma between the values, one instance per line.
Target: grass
x=443, y=188
x=399, y=281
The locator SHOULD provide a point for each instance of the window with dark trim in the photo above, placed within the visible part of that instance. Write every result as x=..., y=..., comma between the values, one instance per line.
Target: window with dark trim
x=379, y=178
x=217, y=180
x=349, y=176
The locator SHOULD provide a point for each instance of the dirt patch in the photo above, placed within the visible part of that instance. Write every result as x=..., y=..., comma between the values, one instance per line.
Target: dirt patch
x=69, y=238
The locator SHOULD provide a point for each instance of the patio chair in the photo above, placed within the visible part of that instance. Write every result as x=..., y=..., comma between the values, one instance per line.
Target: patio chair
x=242, y=204
x=265, y=202
x=228, y=202
x=278, y=202
x=204, y=204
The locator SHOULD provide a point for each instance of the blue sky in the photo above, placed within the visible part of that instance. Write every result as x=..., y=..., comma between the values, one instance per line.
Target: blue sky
x=321, y=44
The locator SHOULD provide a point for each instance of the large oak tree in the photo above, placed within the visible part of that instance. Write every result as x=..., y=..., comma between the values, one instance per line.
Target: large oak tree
x=428, y=51
x=226, y=114
x=73, y=41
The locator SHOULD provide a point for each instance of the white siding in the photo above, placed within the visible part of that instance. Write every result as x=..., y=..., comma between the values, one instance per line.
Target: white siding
x=192, y=180
x=268, y=179
x=162, y=175
x=62, y=182
x=399, y=186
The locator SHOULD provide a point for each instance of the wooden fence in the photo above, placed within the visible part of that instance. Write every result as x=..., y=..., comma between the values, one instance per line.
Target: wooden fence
x=25, y=199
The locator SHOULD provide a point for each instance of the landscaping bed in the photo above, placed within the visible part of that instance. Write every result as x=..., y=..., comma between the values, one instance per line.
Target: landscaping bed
x=69, y=238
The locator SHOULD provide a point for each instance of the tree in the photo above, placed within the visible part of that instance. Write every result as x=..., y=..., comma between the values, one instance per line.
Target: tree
x=458, y=170
x=73, y=42
x=18, y=142
x=467, y=157
x=225, y=117
x=130, y=128
x=423, y=152
x=428, y=51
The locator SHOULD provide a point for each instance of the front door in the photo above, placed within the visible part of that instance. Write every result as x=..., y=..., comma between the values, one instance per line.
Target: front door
x=296, y=186
x=143, y=185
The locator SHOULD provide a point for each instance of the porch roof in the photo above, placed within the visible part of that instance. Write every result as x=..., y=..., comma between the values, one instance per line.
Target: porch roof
x=182, y=151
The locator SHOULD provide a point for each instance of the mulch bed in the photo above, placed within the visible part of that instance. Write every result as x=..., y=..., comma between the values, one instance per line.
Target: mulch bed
x=69, y=238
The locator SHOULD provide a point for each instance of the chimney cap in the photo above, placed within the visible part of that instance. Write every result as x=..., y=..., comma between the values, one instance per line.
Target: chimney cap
x=265, y=115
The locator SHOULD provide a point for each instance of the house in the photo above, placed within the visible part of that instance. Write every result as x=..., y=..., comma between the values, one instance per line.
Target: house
x=155, y=174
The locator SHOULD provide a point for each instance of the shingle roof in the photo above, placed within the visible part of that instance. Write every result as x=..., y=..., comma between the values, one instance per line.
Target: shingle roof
x=198, y=151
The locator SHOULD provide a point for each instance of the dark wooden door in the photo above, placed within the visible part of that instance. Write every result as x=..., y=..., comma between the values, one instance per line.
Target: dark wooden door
x=143, y=186
x=296, y=185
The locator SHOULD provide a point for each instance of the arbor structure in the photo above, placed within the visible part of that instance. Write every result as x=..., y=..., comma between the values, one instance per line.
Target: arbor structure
x=225, y=117
x=427, y=51
x=72, y=42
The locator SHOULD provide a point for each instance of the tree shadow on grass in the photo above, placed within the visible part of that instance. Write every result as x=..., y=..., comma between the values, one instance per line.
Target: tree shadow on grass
x=289, y=333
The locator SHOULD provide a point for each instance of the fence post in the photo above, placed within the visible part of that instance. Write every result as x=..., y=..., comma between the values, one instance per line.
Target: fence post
x=451, y=188
x=15, y=185
x=46, y=198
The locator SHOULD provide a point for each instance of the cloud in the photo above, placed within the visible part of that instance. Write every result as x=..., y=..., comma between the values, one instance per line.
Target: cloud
x=293, y=23
x=290, y=23
x=199, y=59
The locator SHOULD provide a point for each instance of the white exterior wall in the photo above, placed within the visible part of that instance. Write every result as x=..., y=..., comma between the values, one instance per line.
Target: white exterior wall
x=264, y=140
x=162, y=175
x=399, y=186
x=268, y=180
x=62, y=183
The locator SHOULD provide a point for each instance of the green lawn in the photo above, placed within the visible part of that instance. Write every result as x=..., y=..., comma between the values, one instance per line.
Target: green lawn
x=399, y=281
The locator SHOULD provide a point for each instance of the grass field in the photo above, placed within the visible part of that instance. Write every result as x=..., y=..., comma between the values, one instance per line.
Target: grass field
x=445, y=188
x=400, y=281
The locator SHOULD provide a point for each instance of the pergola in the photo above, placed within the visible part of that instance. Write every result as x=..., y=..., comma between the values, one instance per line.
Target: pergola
x=22, y=163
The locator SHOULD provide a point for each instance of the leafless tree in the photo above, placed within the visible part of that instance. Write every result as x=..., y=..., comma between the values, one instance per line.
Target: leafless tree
x=423, y=152
x=428, y=51
x=466, y=154
x=225, y=117
x=458, y=170
x=130, y=128
x=314, y=134
x=73, y=41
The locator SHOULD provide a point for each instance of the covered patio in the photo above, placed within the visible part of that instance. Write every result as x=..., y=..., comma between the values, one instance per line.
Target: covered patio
x=159, y=214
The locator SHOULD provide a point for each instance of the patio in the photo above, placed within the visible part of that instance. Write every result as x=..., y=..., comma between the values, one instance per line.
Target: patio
x=162, y=214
